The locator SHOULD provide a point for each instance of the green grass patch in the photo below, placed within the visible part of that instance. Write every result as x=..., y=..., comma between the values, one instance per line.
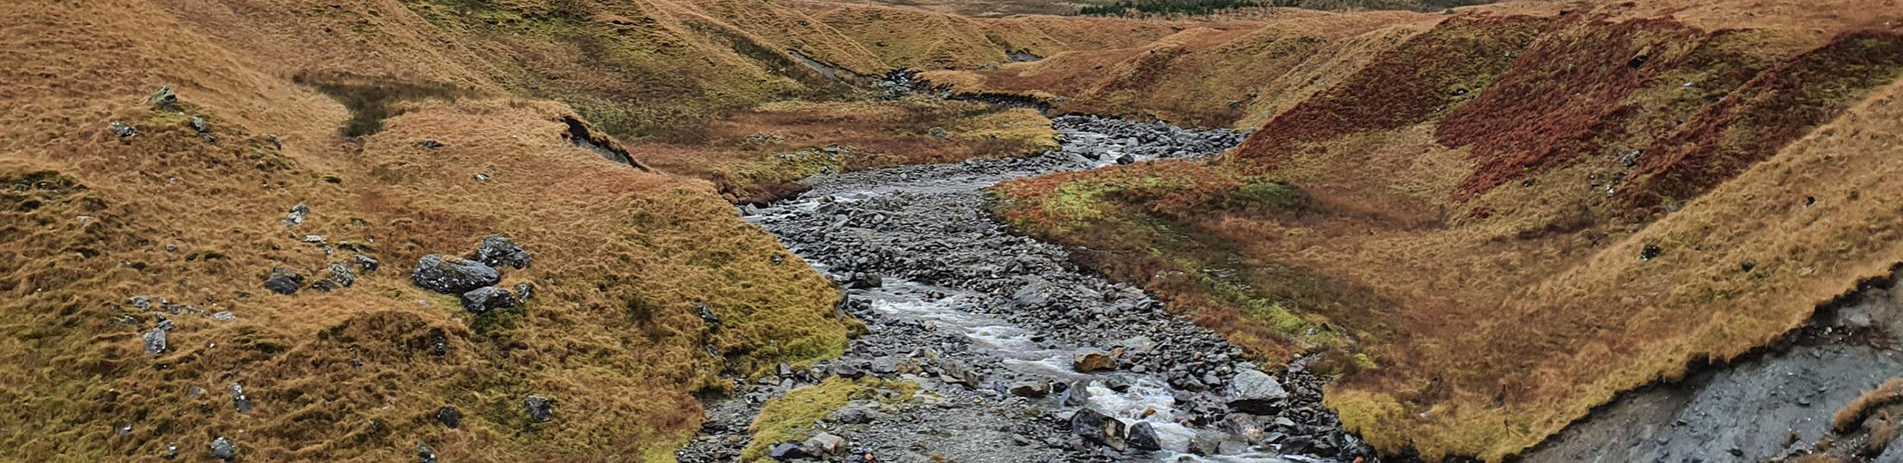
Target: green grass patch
x=791, y=417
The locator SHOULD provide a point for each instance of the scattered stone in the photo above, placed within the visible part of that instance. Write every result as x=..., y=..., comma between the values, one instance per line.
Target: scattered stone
x=171, y=451
x=1088, y=423
x=827, y=443
x=425, y=454
x=367, y=264
x=453, y=275
x=524, y=291
x=141, y=302
x=1206, y=443
x=1077, y=395
x=238, y=399
x=540, y=409
x=155, y=341
x=788, y=451
x=449, y=416
x=223, y=449
x=498, y=251
x=1126, y=159
x=283, y=281
x=938, y=132
x=482, y=300
x=297, y=215
x=1093, y=361
x=1649, y=252
x=1143, y=437
x=865, y=280
x=707, y=315
x=125, y=132
x=224, y=316
x=1255, y=392
x=164, y=99
x=340, y=273
x=1031, y=388
x=429, y=144
x=199, y=125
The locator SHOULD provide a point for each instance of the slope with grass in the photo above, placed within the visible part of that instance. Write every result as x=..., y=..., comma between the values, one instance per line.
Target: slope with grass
x=1460, y=239
x=405, y=128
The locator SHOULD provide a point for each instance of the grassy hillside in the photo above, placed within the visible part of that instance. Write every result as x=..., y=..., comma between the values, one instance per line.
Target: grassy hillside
x=411, y=128
x=1494, y=224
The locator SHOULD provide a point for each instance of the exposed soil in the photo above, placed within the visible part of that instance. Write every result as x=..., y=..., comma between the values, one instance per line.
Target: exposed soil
x=944, y=289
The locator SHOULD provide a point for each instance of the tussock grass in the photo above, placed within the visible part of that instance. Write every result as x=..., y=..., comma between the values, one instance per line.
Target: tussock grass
x=1852, y=415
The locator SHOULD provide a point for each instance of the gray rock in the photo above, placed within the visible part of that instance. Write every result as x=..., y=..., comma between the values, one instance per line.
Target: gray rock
x=1206, y=443
x=788, y=451
x=297, y=215
x=498, y=251
x=340, y=273
x=1077, y=395
x=449, y=416
x=425, y=454
x=283, y=281
x=223, y=449
x=155, y=341
x=707, y=315
x=1143, y=437
x=524, y=291
x=141, y=302
x=865, y=280
x=367, y=264
x=540, y=409
x=484, y=299
x=199, y=125
x=429, y=144
x=1126, y=159
x=827, y=443
x=453, y=275
x=1088, y=423
x=238, y=399
x=164, y=99
x=1255, y=392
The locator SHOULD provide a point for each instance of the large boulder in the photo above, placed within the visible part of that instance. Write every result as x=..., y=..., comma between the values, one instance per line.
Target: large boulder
x=498, y=251
x=1255, y=392
x=453, y=275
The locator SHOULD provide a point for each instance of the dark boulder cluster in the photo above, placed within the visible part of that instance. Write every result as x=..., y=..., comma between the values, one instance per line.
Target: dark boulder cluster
x=475, y=278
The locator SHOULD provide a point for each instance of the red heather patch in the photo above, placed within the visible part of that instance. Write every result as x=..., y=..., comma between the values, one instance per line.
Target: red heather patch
x=1772, y=110
x=1406, y=85
x=1559, y=100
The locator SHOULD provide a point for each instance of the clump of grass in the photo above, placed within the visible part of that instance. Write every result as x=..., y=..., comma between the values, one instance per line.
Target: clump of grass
x=373, y=99
x=1853, y=414
x=791, y=417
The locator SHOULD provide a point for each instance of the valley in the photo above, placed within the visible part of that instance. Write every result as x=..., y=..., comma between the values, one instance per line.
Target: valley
x=950, y=230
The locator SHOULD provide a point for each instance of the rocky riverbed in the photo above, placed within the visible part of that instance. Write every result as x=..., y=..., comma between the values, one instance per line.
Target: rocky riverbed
x=1017, y=354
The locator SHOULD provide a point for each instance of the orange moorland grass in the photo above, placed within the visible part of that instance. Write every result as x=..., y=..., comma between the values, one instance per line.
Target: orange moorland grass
x=1548, y=276
x=623, y=257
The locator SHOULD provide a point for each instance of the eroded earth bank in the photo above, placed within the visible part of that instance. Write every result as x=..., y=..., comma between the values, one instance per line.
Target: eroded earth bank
x=984, y=346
